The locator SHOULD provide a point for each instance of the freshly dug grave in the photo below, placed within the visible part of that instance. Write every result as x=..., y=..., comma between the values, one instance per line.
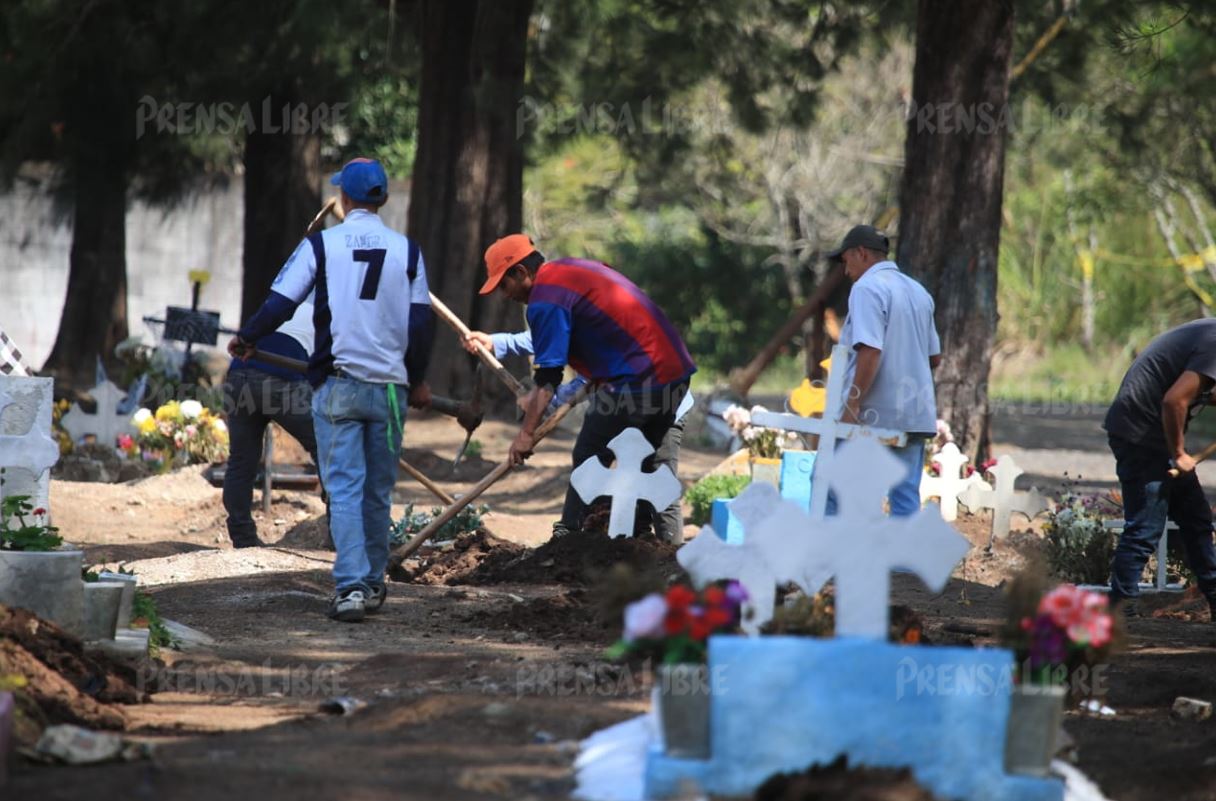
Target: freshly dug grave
x=62, y=684
x=566, y=616
x=839, y=782
x=575, y=559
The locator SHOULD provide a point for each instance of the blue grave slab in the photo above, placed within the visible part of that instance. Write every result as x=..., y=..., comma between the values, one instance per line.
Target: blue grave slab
x=725, y=524
x=783, y=704
x=796, y=470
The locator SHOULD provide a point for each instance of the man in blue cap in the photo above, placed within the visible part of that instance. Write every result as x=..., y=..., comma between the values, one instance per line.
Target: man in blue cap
x=374, y=330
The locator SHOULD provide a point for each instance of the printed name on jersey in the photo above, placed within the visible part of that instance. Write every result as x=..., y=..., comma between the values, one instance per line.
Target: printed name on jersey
x=363, y=241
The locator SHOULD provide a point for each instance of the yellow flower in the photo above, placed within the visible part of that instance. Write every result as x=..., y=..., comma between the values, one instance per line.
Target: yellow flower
x=148, y=425
x=169, y=412
x=199, y=276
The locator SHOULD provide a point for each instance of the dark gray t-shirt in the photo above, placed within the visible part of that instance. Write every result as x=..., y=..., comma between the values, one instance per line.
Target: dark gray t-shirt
x=1135, y=414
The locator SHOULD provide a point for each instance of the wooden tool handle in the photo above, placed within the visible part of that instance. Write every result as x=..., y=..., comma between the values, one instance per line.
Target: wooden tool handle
x=543, y=430
x=1202, y=456
x=421, y=478
x=486, y=357
x=275, y=360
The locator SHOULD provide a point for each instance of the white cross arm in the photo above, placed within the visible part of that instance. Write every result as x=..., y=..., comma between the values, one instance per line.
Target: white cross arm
x=816, y=425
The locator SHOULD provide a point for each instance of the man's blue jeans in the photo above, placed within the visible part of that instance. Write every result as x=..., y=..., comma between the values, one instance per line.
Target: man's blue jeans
x=1150, y=497
x=358, y=460
x=903, y=498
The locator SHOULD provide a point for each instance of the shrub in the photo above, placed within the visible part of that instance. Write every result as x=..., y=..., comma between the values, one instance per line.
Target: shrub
x=702, y=495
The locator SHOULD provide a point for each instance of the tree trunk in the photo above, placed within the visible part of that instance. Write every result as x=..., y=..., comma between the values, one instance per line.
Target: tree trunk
x=950, y=202
x=94, y=317
x=282, y=180
x=467, y=186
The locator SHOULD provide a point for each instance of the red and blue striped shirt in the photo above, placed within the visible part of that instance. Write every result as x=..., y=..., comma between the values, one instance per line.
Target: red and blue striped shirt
x=585, y=314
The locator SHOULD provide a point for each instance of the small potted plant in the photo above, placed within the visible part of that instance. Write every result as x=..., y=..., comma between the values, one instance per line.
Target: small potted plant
x=671, y=630
x=1058, y=638
x=36, y=573
x=764, y=445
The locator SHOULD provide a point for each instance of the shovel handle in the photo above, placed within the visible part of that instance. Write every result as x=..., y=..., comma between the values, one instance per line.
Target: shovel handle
x=1202, y=456
x=487, y=358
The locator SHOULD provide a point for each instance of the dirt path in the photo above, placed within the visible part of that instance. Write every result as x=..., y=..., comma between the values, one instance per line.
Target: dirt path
x=477, y=691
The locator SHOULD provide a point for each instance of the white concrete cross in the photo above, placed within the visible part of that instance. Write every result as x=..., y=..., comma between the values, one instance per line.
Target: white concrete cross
x=950, y=482
x=35, y=450
x=859, y=547
x=1002, y=499
x=626, y=483
x=829, y=428
x=107, y=423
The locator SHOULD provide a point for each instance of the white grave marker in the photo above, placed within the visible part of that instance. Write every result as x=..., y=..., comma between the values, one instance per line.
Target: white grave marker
x=1002, y=499
x=34, y=450
x=625, y=483
x=950, y=482
x=829, y=429
x=107, y=423
x=859, y=547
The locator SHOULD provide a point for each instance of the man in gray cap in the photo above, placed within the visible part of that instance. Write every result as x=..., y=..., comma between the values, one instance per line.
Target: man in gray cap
x=893, y=349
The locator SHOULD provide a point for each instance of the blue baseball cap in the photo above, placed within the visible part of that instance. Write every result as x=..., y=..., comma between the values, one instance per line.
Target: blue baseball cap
x=363, y=179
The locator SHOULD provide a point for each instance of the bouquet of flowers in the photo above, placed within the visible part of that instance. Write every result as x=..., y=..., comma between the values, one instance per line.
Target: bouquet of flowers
x=185, y=433
x=673, y=628
x=1067, y=631
x=762, y=443
x=1079, y=547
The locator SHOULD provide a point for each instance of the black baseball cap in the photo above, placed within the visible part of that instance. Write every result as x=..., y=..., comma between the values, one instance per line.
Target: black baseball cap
x=863, y=236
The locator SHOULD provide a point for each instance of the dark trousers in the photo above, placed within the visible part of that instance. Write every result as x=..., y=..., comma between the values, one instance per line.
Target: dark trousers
x=653, y=413
x=1150, y=497
x=252, y=400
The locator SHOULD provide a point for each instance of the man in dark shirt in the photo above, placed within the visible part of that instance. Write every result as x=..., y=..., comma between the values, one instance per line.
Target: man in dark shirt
x=1167, y=384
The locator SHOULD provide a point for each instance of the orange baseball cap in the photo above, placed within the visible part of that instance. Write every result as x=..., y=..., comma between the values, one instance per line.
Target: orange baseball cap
x=503, y=255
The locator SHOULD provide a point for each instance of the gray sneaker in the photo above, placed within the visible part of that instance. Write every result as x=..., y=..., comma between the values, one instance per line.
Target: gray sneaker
x=348, y=605
x=375, y=598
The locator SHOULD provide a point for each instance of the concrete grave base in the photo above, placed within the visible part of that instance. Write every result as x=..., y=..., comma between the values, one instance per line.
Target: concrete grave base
x=785, y=703
x=128, y=645
x=102, y=600
x=127, y=607
x=46, y=583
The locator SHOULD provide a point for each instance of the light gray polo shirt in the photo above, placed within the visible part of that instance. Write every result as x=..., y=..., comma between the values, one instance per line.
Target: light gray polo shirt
x=894, y=313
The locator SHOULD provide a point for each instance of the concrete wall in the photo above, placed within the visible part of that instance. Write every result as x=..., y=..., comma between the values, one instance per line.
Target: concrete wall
x=163, y=246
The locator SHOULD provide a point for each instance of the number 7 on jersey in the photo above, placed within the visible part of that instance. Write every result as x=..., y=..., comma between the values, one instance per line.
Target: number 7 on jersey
x=375, y=264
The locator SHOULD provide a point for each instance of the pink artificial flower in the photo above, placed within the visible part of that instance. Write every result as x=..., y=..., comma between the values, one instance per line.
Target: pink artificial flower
x=644, y=618
x=1063, y=605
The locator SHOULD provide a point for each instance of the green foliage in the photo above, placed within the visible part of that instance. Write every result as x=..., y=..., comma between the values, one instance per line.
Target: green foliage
x=382, y=120
x=701, y=496
x=473, y=449
x=1078, y=547
x=467, y=520
x=144, y=614
x=18, y=534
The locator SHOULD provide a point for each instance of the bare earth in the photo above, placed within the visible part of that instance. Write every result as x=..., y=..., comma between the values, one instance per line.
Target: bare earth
x=481, y=692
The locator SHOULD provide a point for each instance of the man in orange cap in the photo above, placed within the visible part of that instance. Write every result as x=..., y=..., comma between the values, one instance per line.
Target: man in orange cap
x=585, y=314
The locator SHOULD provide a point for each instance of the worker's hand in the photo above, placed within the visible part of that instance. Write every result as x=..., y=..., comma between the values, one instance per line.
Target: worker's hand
x=420, y=395
x=852, y=414
x=240, y=349
x=1184, y=462
x=476, y=338
x=522, y=447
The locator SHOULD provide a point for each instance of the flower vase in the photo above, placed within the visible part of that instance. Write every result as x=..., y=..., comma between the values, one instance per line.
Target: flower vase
x=683, y=709
x=766, y=469
x=1032, y=734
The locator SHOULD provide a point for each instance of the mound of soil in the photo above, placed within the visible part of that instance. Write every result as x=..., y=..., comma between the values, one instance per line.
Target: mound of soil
x=1190, y=605
x=839, y=782
x=575, y=559
x=567, y=616
x=62, y=684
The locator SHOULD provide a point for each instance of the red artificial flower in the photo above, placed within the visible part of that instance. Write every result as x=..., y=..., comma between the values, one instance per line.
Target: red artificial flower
x=714, y=596
x=39, y=511
x=676, y=621
x=716, y=617
x=680, y=597
x=700, y=628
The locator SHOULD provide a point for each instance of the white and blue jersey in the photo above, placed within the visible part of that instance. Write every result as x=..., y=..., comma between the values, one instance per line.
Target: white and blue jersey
x=373, y=316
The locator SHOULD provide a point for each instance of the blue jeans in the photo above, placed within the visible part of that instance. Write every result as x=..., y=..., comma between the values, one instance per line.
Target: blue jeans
x=904, y=497
x=358, y=460
x=1150, y=497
